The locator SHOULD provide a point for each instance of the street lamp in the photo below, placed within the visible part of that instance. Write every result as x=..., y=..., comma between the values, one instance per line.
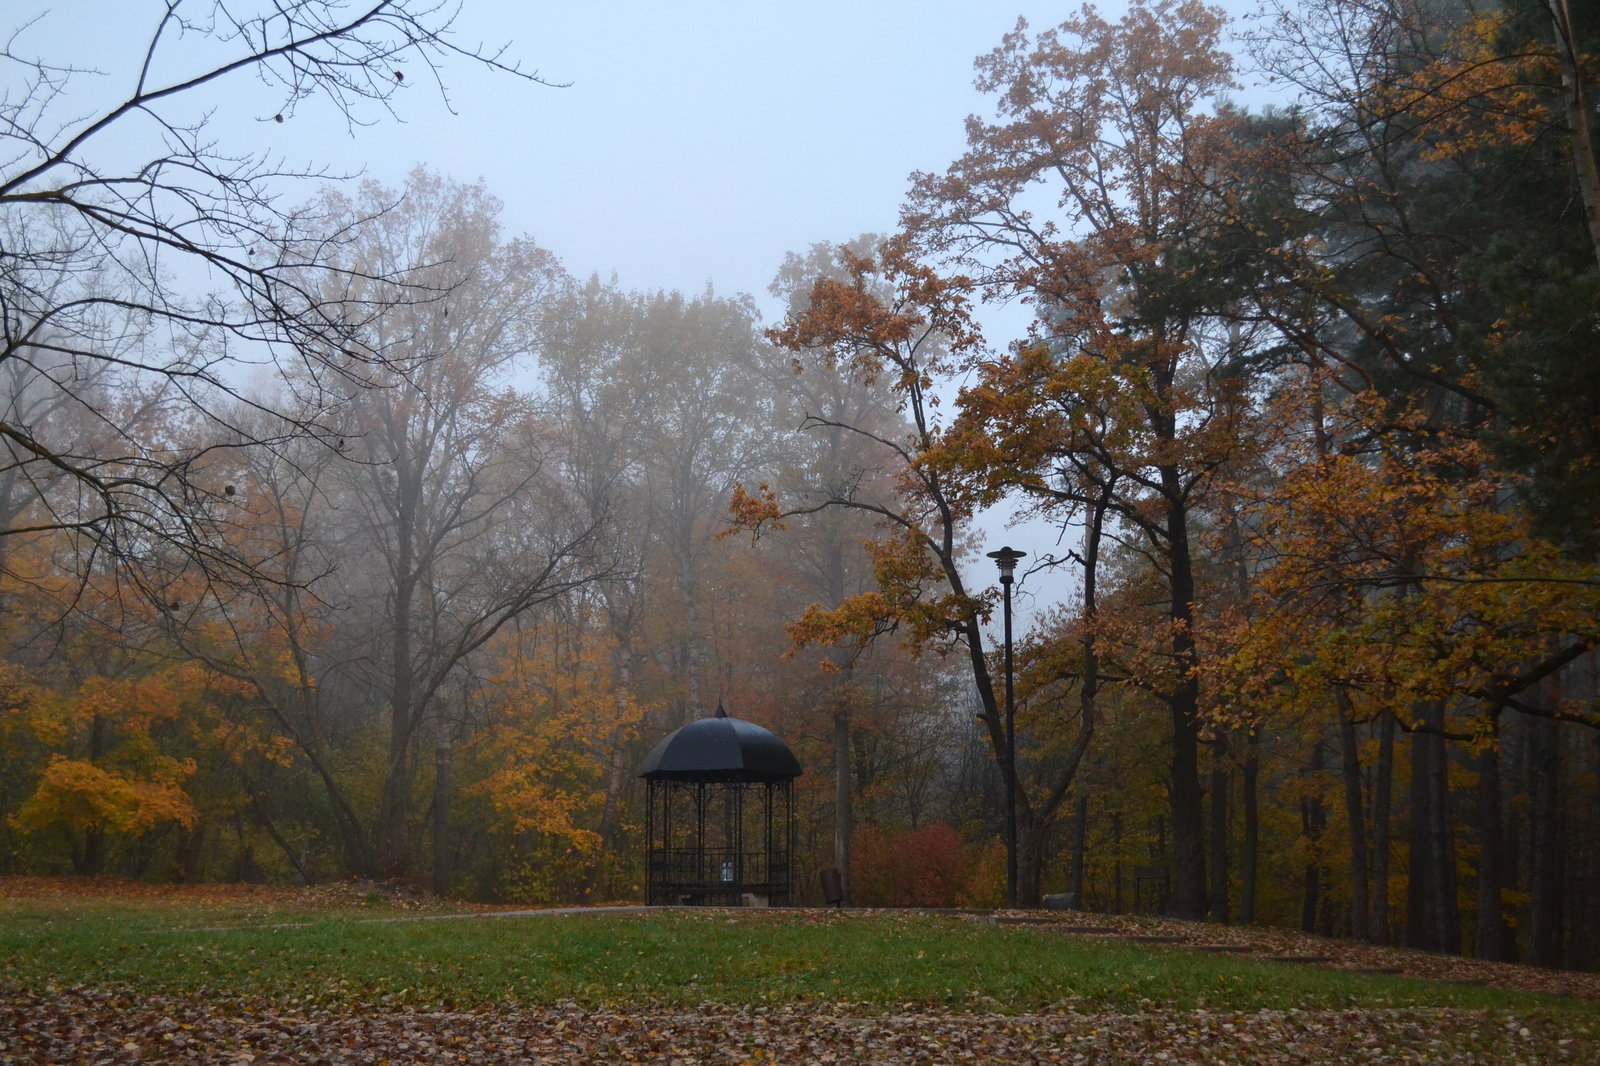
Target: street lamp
x=1006, y=559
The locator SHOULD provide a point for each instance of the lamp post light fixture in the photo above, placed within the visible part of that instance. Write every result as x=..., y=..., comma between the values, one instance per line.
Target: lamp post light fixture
x=1006, y=559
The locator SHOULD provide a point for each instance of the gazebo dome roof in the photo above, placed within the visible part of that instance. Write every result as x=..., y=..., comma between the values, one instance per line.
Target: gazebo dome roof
x=720, y=748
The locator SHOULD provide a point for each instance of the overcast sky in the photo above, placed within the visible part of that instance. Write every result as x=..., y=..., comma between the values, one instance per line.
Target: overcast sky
x=700, y=141
x=696, y=141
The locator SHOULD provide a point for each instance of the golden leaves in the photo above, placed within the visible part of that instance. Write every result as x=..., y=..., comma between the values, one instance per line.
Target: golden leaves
x=753, y=512
x=1402, y=573
x=1485, y=90
x=78, y=794
x=559, y=717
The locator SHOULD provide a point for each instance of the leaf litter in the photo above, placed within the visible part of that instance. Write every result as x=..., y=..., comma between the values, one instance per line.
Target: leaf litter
x=119, y=1028
x=1255, y=941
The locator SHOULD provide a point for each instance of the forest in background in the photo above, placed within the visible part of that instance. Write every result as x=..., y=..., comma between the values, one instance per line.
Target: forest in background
x=358, y=538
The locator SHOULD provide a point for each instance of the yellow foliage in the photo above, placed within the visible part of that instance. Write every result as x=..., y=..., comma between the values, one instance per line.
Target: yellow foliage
x=560, y=719
x=1483, y=92
x=81, y=795
x=1404, y=575
x=129, y=787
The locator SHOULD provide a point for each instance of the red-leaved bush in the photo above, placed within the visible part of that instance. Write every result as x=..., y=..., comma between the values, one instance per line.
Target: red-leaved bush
x=925, y=868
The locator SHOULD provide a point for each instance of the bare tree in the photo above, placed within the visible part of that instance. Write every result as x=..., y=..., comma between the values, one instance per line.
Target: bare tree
x=442, y=517
x=158, y=278
x=460, y=524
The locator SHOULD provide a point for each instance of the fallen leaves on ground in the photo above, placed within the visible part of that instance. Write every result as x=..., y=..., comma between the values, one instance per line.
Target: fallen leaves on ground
x=106, y=1028
x=335, y=894
x=351, y=892
x=1263, y=942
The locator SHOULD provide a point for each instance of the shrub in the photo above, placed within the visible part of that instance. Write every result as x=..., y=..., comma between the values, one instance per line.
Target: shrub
x=925, y=868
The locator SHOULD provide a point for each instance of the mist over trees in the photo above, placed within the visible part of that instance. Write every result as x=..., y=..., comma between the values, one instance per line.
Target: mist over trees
x=353, y=536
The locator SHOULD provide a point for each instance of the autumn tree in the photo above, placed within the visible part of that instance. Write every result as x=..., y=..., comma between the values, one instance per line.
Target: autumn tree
x=835, y=452
x=1119, y=405
x=1436, y=276
x=893, y=318
x=436, y=519
x=556, y=718
x=1438, y=262
x=661, y=405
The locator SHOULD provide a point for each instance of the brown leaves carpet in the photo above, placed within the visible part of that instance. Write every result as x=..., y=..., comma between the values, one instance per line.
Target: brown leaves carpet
x=103, y=1029
x=1265, y=942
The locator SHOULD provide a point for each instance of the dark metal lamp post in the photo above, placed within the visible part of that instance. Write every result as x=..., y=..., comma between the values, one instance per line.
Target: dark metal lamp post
x=1006, y=559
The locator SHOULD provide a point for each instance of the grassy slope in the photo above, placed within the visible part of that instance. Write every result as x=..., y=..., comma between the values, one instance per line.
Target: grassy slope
x=672, y=958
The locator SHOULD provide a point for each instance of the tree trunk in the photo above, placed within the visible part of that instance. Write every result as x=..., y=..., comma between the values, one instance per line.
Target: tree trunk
x=1219, y=828
x=1492, y=938
x=1116, y=873
x=1446, y=907
x=608, y=814
x=689, y=648
x=1419, y=871
x=394, y=812
x=1031, y=834
x=619, y=767
x=1252, y=829
x=1088, y=693
x=441, y=817
x=94, y=853
x=1311, y=886
x=1545, y=926
x=1575, y=97
x=1080, y=822
x=1382, y=792
x=1189, y=890
x=186, y=856
x=842, y=815
x=614, y=780
x=1355, y=816
x=626, y=665
x=1433, y=914
x=1313, y=822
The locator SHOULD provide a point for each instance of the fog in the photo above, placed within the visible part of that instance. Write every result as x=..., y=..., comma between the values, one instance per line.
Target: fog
x=412, y=414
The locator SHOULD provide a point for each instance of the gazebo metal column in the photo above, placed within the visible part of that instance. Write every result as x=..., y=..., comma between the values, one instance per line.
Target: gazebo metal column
x=696, y=857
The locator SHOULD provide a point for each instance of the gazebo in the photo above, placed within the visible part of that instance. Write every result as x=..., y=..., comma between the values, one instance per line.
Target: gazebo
x=719, y=826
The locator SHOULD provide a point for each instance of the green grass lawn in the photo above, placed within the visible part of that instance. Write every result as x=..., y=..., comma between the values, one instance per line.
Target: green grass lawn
x=676, y=958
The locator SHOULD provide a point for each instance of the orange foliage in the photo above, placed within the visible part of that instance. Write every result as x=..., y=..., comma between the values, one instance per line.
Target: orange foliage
x=753, y=512
x=80, y=795
x=1407, y=574
x=558, y=723
x=1484, y=91
x=898, y=319
x=924, y=868
x=127, y=785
